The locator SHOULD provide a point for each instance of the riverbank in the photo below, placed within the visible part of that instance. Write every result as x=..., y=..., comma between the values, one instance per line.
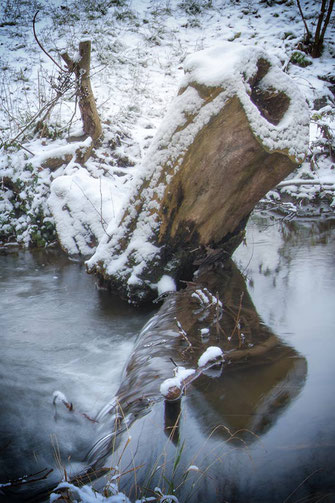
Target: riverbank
x=137, y=62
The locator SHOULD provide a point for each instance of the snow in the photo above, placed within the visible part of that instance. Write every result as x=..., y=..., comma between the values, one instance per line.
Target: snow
x=90, y=203
x=88, y=495
x=136, y=70
x=166, y=284
x=193, y=468
x=181, y=373
x=172, y=382
x=211, y=354
x=231, y=66
x=206, y=298
x=58, y=396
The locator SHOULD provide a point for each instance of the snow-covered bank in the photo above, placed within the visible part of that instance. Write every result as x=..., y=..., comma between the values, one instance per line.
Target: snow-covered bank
x=138, y=52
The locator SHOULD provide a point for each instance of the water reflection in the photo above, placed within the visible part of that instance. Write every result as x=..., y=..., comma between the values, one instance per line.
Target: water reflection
x=226, y=409
x=263, y=430
x=261, y=375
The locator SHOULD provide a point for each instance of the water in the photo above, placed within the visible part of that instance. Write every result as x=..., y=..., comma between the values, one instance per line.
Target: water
x=59, y=332
x=263, y=430
x=290, y=272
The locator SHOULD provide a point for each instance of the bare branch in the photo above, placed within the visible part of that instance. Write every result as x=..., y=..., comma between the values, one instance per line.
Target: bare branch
x=326, y=22
x=308, y=33
x=27, y=479
x=41, y=46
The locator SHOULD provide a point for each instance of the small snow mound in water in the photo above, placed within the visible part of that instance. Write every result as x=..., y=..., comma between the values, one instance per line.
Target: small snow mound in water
x=58, y=396
x=181, y=373
x=192, y=468
x=206, y=298
x=86, y=494
x=211, y=354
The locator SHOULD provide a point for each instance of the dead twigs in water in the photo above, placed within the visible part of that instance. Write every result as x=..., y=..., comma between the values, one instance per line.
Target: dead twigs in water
x=28, y=479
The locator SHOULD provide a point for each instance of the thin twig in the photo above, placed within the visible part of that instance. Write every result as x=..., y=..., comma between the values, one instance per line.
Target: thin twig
x=237, y=322
x=27, y=479
x=28, y=125
x=88, y=199
x=26, y=149
x=102, y=222
x=183, y=333
x=301, y=483
x=41, y=46
x=47, y=109
x=74, y=111
x=287, y=183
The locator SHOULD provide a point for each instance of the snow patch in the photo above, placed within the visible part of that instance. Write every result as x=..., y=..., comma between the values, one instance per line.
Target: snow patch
x=166, y=284
x=87, y=494
x=58, y=396
x=82, y=207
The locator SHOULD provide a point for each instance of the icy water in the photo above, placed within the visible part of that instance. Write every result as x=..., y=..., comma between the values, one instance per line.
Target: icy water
x=290, y=274
x=59, y=333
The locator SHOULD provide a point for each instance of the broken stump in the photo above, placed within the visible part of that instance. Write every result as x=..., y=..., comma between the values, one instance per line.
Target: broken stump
x=237, y=127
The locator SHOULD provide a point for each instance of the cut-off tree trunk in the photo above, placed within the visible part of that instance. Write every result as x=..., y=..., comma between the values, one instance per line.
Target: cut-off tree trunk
x=235, y=130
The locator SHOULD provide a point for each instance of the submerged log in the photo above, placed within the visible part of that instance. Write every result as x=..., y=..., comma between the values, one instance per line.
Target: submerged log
x=237, y=128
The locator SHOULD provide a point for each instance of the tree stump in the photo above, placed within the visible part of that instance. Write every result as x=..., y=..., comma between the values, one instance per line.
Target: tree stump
x=88, y=110
x=237, y=127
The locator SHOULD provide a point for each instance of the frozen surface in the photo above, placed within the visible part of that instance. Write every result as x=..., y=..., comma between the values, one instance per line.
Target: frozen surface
x=67, y=343
x=62, y=342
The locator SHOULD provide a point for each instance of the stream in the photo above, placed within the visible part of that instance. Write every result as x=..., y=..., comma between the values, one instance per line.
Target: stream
x=260, y=430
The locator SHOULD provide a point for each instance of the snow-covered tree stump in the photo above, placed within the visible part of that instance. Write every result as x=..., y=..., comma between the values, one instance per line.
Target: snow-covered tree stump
x=237, y=127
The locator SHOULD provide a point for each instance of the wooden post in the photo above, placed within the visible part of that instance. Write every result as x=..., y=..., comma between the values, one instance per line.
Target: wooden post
x=88, y=110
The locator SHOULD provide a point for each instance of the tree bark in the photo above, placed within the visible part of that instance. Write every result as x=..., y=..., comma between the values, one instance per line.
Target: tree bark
x=219, y=150
x=320, y=33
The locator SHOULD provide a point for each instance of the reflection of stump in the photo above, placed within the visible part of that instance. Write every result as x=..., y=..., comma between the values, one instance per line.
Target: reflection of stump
x=172, y=412
x=233, y=132
x=260, y=375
